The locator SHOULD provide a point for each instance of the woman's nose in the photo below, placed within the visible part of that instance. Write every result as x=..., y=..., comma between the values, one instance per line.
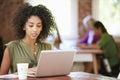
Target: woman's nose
x=34, y=29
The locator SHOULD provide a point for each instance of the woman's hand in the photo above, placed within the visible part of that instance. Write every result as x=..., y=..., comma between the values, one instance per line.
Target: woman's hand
x=81, y=45
x=85, y=46
x=32, y=70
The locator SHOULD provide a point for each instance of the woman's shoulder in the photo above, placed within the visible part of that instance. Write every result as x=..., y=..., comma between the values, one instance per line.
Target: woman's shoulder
x=107, y=36
x=45, y=44
x=13, y=43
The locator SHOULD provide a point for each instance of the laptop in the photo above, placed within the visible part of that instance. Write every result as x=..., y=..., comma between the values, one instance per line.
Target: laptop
x=54, y=63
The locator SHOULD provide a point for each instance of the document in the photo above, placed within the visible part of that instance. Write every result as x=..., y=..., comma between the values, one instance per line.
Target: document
x=9, y=76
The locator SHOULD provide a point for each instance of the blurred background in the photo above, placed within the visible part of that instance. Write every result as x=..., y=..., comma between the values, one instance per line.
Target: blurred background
x=68, y=16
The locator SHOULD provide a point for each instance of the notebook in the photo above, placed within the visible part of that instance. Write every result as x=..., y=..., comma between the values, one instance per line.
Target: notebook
x=54, y=63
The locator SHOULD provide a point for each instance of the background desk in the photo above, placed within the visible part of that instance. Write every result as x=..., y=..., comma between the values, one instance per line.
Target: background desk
x=88, y=55
x=83, y=55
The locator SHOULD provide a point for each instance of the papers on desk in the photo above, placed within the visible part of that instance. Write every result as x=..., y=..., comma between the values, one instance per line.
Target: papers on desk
x=9, y=76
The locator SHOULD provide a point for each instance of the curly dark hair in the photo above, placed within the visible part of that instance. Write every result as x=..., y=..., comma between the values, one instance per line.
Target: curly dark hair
x=25, y=11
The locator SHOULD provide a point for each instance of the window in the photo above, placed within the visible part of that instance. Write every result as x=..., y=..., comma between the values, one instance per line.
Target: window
x=108, y=11
x=65, y=13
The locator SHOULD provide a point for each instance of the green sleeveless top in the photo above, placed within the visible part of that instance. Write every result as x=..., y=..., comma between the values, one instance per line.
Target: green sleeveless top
x=20, y=52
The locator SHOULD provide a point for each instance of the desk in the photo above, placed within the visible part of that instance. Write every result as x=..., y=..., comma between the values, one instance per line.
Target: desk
x=83, y=55
x=91, y=56
x=72, y=76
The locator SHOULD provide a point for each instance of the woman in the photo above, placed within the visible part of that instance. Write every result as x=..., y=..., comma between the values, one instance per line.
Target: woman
x=32, y=24
x=108, y=45
x=90, y=37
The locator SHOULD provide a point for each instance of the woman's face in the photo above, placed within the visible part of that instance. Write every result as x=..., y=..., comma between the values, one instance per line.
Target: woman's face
x=97, y=31
x=33, y=27
x=89, y=25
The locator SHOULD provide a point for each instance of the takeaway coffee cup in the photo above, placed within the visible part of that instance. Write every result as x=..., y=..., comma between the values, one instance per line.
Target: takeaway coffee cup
x=22, y=70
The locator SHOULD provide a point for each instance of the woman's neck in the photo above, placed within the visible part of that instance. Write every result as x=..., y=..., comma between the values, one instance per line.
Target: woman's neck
x=30, y=42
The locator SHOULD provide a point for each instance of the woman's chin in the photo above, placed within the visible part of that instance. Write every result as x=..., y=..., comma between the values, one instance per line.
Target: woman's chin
x=33, y=38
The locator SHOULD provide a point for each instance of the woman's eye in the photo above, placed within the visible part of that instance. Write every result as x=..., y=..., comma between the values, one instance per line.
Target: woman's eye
x=30, y=25
x=39, y=26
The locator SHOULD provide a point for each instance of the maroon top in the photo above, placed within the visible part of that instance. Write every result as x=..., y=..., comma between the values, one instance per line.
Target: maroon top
x=85, y=38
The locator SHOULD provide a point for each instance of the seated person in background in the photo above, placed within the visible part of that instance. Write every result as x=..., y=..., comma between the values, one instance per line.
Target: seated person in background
x=90, y=37
x=108, y=45
x=32, y=24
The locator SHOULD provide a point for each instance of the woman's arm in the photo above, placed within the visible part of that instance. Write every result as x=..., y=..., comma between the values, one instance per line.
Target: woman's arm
x=4, y=69
x=92, y=46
